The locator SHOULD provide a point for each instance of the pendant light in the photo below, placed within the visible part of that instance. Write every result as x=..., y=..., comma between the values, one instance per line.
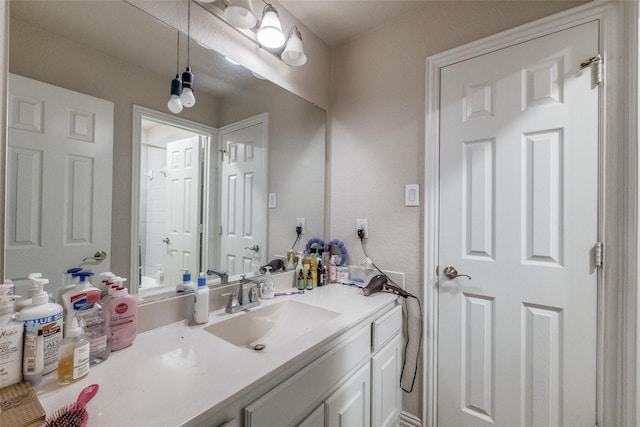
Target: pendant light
x=293, y=53
x=270, y=33
x=240, y=14
x=175, y=105
x=187, y=97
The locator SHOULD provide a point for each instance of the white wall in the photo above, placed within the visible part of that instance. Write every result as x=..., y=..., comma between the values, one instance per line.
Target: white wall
x=376, y=128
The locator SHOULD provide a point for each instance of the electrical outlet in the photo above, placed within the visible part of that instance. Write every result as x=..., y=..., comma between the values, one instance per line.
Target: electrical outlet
x=300, y=223
x=362, y=224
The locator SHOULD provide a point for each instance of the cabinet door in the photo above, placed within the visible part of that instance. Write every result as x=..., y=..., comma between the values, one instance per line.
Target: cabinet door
x=316, y=419
x=386, y=397
x=350, y=405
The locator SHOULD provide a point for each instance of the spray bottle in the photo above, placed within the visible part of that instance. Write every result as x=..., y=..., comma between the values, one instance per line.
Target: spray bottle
x=11, y=331
x=43, y=322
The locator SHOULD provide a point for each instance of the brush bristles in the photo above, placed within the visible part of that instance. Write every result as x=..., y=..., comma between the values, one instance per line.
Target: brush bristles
x=68, y=416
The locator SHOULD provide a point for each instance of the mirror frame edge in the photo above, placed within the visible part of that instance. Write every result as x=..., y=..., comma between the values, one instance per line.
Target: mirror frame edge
x=4, y=61
x=138, y=113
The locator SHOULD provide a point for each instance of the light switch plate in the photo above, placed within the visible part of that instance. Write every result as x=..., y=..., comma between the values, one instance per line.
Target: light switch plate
x=272, y=200
x=412, y=195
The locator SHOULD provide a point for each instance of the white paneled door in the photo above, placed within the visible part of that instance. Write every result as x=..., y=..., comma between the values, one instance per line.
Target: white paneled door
x=183, y=219
x=59, y=174
x=519, y=216
x=244, y=195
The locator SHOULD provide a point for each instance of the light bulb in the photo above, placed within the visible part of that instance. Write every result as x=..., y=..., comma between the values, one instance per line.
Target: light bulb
x=174, y=105
x=186, y=98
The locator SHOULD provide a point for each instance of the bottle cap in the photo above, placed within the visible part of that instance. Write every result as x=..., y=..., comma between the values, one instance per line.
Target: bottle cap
x=75, y=328
x=93, y=297
x=202, y=280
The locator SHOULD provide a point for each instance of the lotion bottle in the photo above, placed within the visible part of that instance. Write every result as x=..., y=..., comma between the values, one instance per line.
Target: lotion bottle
x=11, y=332
x=123, y=309
x=268, y=285
x=74, y=354
x=75, y=298
x=43, y=322
x=201, y=312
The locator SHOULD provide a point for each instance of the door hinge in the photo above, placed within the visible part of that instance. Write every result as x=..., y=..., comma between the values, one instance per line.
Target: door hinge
x=597, y=68
x=598, y=252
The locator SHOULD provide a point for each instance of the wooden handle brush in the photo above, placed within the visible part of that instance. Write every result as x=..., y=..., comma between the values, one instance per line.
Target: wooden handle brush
x=74, y=414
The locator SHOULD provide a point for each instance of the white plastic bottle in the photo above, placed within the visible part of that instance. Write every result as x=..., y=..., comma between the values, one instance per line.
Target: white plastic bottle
x=201, y=313
x=74, y=354
x=186, y=285
x=268, y=285
x=33, y=289
x=71, y=281
x=97, y=327
x=75, y=298
x=11, y=332
x=43, y=322
x=123, y=309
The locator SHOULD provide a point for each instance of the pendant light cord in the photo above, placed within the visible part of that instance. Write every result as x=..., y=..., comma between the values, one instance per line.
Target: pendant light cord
x=178, y=55
x=188, y=29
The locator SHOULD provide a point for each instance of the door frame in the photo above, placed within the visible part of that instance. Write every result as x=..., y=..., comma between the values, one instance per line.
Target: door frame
x=618, y=347
x=209, y=166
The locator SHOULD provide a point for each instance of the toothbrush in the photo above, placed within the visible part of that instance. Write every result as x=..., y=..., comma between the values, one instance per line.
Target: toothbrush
x=279, y=294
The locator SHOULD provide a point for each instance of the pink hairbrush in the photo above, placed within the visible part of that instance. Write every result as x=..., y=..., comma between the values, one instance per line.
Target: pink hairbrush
x=74, y=414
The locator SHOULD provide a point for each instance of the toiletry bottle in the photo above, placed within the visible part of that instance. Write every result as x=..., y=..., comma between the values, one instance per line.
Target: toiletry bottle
x=186, y=285
x=301, y=281
x=75, y=298
x=71, y=279
x=74, y=354
x=33, y=289
x=309, y=281
x=290, y=261
x=322, y=272
x=306, y=264
x=124, y=317
x=201, y=313
x=268, y=285
x=159, y=275
x=11, y=332
x=313, y=266
x=105, y=283
x=43, y=322
x=333, y=269
x=96, y=320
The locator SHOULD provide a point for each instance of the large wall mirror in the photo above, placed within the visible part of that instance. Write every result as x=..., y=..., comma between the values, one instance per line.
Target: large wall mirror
x=113, y=52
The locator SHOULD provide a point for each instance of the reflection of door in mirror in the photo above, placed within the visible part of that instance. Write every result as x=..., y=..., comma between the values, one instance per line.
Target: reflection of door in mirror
x=244, y=189
x=169, y=210
x=58, y=195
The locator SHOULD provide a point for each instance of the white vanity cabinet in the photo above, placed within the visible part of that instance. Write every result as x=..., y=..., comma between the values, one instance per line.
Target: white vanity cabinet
x=355, y=383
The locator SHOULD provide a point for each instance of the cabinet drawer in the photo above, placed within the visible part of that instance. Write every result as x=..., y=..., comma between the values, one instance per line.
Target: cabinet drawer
x=285, y=403
x=383, y=329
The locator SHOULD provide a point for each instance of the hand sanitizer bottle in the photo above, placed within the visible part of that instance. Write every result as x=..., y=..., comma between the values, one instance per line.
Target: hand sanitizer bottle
x=74, y=354
x=97, y=327
x=11, y=331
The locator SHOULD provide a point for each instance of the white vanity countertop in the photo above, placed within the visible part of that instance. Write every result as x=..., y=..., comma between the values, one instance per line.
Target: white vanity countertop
x=179, y=372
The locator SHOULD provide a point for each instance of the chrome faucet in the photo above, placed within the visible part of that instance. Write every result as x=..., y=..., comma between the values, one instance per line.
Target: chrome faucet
x=224, y=277
x=246, y=296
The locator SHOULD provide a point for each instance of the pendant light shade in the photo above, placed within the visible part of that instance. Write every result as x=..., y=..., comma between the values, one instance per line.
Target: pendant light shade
x=270, y=33
x=239, y=13
x=293, y=53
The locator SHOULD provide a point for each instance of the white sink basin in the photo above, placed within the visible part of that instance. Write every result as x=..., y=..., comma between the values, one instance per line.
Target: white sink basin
x=269, y=327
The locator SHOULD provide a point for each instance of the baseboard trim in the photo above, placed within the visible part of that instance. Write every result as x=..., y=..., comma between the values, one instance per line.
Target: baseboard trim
x=408, y=420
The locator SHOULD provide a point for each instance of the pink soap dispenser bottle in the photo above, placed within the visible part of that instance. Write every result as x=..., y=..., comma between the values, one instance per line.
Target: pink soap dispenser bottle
x=124, y=316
